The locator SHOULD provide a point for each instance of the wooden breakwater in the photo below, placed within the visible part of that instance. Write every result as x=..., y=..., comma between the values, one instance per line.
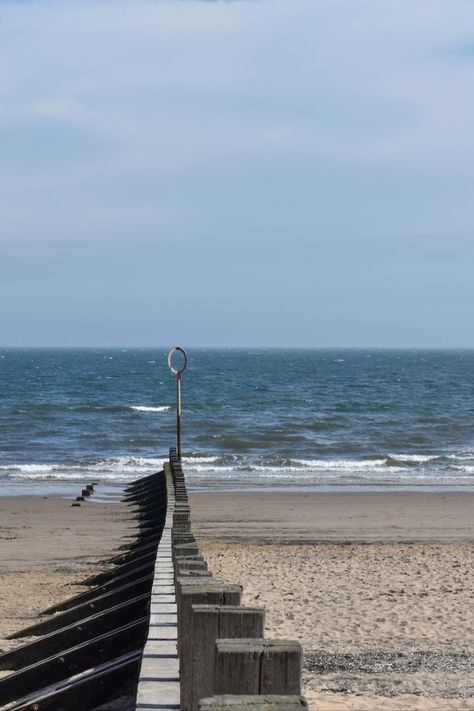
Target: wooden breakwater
x=86, y=653
x=225, y=661
x=155, y=630
x=158, y=685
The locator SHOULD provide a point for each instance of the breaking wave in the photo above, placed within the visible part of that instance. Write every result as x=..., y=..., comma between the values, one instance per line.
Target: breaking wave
x=220, y=470
x=145, y=408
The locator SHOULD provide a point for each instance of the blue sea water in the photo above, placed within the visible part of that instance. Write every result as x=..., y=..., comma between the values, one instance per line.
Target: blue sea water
x=251, y=417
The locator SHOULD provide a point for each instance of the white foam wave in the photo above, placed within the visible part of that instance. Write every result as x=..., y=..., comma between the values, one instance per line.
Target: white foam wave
x=461, y=456
x=215, y=469
x=145, y=408
x=465, y=469
x=30, y=469
x=196, y=460
x=314, y=472
x=111, y=468
x=334, y=469
x=415, y=458
x=340, y=464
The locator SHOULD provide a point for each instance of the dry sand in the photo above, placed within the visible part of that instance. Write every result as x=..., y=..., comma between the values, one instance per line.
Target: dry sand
x=377, y=587
x=46, y=548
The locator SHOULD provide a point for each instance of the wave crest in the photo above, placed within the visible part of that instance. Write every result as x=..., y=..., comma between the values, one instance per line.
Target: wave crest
x=146, y=408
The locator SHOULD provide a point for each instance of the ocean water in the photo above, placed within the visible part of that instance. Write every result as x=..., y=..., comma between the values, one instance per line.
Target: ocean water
x=275, y=418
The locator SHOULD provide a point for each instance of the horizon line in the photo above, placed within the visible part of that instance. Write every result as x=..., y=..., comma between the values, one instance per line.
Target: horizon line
x=234, y=347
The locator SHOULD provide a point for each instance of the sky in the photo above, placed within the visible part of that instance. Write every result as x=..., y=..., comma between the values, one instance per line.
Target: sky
x=235, y=173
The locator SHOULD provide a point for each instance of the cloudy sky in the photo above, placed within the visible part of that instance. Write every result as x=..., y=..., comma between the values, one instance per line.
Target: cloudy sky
x=266, y=172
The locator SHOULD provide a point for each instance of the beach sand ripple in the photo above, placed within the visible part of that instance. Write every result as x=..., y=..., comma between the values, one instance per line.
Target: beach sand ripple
x=384, y=620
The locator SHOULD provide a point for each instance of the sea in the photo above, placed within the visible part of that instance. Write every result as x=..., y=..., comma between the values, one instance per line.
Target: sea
x=252, y=418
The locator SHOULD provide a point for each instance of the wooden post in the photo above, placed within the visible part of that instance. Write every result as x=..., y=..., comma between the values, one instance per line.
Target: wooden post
x=209, y=623
x=185, y=549
x=261, y=666
x=195, y=574
x=190, y=564
x=237, y=668
x=280, y=672
x=253, y=703
x=192, y=591
x=203, y=633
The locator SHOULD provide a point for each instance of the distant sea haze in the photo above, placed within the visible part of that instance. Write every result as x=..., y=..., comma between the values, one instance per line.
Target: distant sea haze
x=251, y=418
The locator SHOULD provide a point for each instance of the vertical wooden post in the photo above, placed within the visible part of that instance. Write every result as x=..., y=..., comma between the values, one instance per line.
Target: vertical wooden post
x=276, y=663
x=197, y=591
x=181, y=549
x=209, y=623
x=237, y=668
x=204, y=632
x=280, y=671
x=189, y=564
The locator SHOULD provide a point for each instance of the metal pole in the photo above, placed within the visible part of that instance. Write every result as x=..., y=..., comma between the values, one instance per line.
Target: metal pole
x=177, y=372
x=178, y=414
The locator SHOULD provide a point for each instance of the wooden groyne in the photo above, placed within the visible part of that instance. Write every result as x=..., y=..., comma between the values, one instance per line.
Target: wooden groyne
x=86, y=653
x=155, y=630
x=158, y=685
x=225, y=661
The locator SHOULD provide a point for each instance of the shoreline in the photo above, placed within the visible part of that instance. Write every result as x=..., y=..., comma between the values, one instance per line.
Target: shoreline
x=65, y=488
x=212, y=481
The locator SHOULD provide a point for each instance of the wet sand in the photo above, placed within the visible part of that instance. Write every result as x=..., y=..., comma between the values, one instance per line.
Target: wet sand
x=272, y=517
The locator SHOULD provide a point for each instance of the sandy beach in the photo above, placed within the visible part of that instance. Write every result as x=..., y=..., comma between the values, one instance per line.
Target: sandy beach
x=377, y=587
x=47, y=547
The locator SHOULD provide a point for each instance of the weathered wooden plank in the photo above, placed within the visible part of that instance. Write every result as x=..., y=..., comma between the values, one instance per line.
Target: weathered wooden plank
x=139, y=541
x=70, y=662
x=280, y=671
x=241, y=622
x=253, y=703
x=95, y=687
x=98, y=604
x=190, y=592
x=120, y=581
x=126, y=588
x=119, y=570
x=204, y=632
x=185, y=549
x=50, y=644
x=278, y=663
x=209, y=623
x=122, y=558
x=237, y=667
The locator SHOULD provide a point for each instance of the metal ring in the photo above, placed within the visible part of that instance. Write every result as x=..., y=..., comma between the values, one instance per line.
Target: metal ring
x=170, y=355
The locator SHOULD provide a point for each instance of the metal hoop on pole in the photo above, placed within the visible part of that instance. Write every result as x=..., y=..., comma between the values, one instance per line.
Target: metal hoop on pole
x=177, y=372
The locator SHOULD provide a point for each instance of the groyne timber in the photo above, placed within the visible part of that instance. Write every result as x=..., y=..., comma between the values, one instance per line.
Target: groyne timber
x=154, y=630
